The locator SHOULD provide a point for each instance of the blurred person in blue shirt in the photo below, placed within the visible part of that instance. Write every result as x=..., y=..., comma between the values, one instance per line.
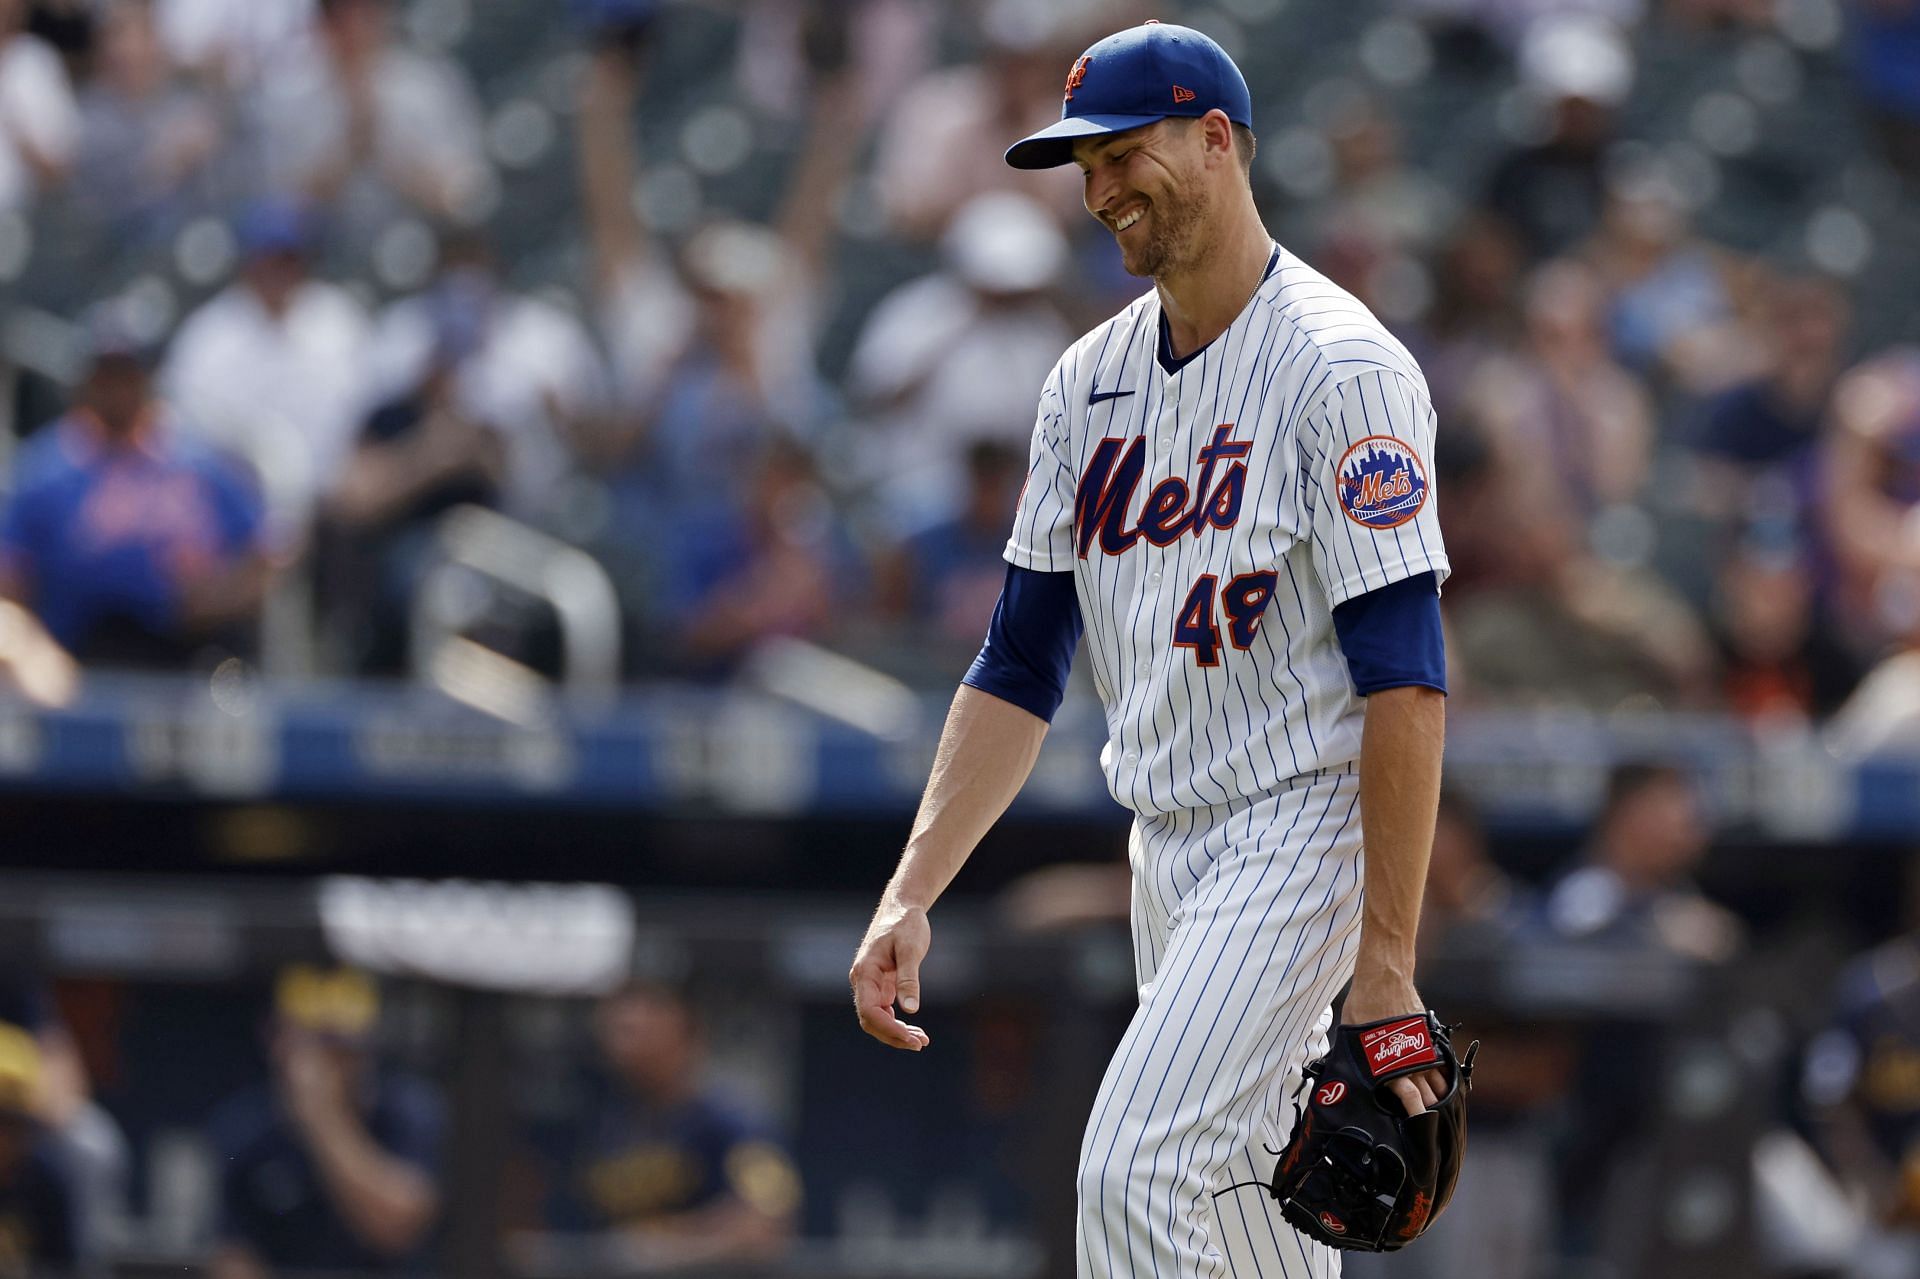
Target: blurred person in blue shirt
x=775, y=563
x=945, y=579
x=680, y=1173
x=1886, y=65
x=132, y=546
x=334, y=1164
x=1754, y=444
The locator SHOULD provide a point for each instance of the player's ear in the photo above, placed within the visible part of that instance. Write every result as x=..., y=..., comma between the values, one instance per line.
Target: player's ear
x=1216, y=138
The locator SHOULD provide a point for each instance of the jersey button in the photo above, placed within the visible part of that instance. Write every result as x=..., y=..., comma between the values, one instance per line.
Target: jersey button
x=1130, y=759
x=1166, y=441
x=1154, y=576
x=1146, y=666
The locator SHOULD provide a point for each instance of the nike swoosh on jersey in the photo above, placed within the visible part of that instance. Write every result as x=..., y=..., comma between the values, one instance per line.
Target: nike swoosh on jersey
x=1098, y=396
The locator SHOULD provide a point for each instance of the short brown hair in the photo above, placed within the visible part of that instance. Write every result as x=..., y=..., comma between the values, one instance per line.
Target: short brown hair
x=1243, y=143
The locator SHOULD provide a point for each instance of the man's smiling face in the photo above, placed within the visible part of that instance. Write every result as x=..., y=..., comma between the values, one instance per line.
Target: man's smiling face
x=1148, y=187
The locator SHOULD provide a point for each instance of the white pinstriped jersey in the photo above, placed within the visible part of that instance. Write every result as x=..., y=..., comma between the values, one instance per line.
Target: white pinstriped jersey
x=1213, y=518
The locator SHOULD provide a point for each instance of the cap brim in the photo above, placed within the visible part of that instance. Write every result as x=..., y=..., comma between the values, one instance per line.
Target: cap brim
x=1052, y=146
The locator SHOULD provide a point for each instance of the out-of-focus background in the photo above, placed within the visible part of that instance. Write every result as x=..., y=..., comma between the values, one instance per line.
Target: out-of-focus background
x=495, y=496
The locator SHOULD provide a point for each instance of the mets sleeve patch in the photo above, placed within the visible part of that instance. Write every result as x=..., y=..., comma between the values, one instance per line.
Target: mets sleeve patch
x=1382, y=484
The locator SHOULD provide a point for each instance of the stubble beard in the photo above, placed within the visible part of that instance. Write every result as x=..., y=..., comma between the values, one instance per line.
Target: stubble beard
x=1174, y=236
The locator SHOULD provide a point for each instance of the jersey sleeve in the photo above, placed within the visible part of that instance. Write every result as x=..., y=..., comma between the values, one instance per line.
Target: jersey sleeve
x=1367, y=485
x=1043, y=522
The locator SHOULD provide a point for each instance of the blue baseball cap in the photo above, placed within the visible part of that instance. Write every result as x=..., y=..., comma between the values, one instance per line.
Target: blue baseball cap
x=1135, y=77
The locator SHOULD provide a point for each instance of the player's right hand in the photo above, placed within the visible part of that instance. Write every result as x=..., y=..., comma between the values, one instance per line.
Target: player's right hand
x=886, y=970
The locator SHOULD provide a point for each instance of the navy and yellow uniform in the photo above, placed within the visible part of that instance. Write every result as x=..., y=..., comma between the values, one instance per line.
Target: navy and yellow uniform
x=272, y=1198
x=38, y=1216
x=636, y=1163
x=1869, y=1058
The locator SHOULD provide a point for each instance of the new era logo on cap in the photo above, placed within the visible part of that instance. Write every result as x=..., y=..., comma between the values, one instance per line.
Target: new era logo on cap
x=1133, y=78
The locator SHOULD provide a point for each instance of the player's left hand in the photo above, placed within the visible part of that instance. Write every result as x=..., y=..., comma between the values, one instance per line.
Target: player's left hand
x=886, y=971
x=1376, y=999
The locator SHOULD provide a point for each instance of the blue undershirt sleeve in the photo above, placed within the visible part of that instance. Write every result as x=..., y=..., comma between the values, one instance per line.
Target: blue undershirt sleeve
x=1030, y=641
x=1392, y=638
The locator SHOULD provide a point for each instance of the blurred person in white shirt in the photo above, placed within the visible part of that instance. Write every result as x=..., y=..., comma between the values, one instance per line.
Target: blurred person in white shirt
x=946, y=361
x=526, y=369
x=276, y=367
x=928, y=162
x=39, y=120
x=356, y=120
x=230, y=42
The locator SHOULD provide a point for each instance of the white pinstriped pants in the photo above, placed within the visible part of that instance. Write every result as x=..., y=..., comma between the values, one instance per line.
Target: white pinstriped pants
x=1245, y=921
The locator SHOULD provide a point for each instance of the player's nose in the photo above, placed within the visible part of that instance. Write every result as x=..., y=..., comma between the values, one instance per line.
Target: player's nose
x=1102, y=193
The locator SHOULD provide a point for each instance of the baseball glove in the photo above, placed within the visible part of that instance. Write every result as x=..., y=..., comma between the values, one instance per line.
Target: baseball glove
x=1359, y=1173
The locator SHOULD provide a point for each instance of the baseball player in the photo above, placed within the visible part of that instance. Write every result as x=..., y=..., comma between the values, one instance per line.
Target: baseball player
x=1230, y=489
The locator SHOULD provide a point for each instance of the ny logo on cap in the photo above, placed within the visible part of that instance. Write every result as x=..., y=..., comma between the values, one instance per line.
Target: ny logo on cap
x=1076, y=77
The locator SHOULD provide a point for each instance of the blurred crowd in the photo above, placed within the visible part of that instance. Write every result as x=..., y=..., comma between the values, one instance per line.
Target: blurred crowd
x=775, y=372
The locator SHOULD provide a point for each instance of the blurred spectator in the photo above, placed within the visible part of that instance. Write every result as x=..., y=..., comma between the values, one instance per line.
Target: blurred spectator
x=39, y=1223
x=943, y=581
x=1380, y=217
x=356, y=121
x=712, y=363
x=785, y=47
x=1632, y=897
x=958, y=357
x=681, y=1174
x=132, y=545
x=1475, y=313
x=778, y=564
x=711, y=357
x=145, y=139
x=84, y=1144
x=39, y=120
x=1466, y=892
x=523, y=369
x=1861, y=1080
x=420, y=455
x=1579, y=69
x=1636, y=888
x=930, y=159
x=1671, y=309
x=1754, y=445
x=1542, y=622
x=1559, y=414
x=1780, y=660
x=275, y=367
x=1870, y=490
x=1886, y=63
x=334, y=1165
x=230, y=42
x=1883, y=715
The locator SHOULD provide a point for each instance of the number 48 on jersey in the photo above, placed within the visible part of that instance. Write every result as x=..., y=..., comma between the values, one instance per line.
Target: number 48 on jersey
x=1243, y=600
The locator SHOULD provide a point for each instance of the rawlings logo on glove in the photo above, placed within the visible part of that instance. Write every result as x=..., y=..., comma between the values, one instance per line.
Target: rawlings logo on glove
x=1359, y=1172
x=1403, y=1043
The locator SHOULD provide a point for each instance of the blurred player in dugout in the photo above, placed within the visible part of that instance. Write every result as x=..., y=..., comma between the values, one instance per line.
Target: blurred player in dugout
x=39, y=1219
x=334, y=1163
x=671, y=1170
